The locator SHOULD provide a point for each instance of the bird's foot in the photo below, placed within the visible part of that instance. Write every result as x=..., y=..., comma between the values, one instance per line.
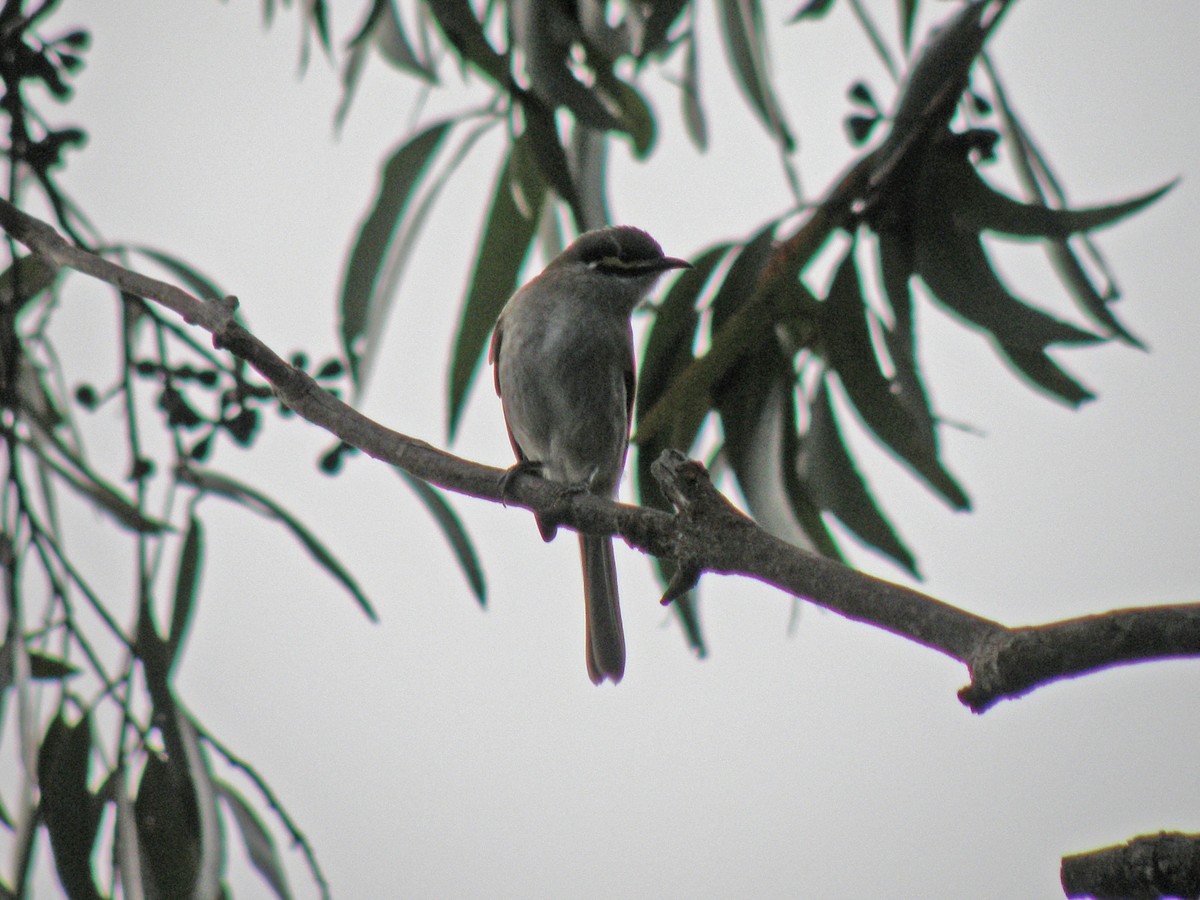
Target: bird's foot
x=522, y=467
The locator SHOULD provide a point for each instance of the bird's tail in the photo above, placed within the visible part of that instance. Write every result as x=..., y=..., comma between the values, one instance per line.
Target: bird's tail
x=605, y=637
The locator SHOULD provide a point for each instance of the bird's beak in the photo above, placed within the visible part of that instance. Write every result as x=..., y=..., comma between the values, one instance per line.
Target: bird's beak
x=670, y=262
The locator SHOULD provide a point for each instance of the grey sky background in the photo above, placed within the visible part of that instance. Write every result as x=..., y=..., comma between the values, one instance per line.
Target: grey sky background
x=454, y=752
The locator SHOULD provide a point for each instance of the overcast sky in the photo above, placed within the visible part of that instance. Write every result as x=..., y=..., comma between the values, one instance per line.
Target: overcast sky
x=450, y=751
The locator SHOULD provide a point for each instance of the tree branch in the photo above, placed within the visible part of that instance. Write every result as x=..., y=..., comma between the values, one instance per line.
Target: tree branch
x=706, y=535
x=1166, y=864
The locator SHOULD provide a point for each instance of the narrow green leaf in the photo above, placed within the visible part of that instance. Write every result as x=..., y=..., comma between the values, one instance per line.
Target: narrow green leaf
x=193, y=279
x=168, y=827
x=954, y=266
x=940, y=74
x=211, y=863
x=906, y=429
x=232, y=489
x=663, y=14
x=689, y=96
x=399, y=251
x=590, y=154
x=70, y=811
x=1076, y=278
x=454, y=532
x=387, y=33
x=398, y=181
x=187, y=581
x=540, y=139
x=464, y=32
x=982, y=207
x=544, y=33
x=745, y=44
x=813, y=9
x=260, y=846
x=908, y=18
x=1046, y=375
x=838, y=486
x=103, y=496
x=503, y=246
x=634, y=115
x=801, y=499
x=755, y=404
x=356, y=60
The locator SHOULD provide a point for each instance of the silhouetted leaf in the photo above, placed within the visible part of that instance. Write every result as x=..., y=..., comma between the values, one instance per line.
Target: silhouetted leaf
x=457, y=21
x=398, y=181
x=399, y=251
x=168, y=827
x=669, y=350
x=838, y=486
x=544, y=33
x=98, y=492
x=71, y=813
x=813, y=9
x=908, y=17
x=452, y=529
x=952, y=262
x=1077, y=281
x=383, y=28
x=663, y=14
x=541, y=141
x=187, y=581
x=1044, y=374
x=503, y=246
x=904, y=428
x=981, y=207
x=590, y=155
x=634, y=115
x=689, y=86
x=232, y=489
x=861, y=95
x=745, y=42
x=260, y=846
x=754, y=399
x=940, y=74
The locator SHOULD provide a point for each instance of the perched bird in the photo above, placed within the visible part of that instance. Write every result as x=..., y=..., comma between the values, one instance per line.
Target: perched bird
x=562, y=354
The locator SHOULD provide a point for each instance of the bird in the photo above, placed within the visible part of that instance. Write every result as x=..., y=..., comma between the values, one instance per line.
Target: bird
x=563, y=365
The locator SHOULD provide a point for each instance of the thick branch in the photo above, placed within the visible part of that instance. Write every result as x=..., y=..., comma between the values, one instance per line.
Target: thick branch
x=707, y=534
x=1166, y=864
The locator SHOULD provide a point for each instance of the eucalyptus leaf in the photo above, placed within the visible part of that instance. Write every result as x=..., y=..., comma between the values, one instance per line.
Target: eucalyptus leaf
x=69, y=810
x=745, y=43
x=838, y=486
x=465, y=33
x=232, y=489
x=187, y=582
x=503, y=245
x=689, y=87
x=398, y=182
x=452, y=529
x=906, y=429
x=260, y=846
x=1046, y=375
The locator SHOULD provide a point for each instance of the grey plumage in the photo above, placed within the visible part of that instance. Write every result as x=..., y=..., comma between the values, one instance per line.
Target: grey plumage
x=563, y=363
